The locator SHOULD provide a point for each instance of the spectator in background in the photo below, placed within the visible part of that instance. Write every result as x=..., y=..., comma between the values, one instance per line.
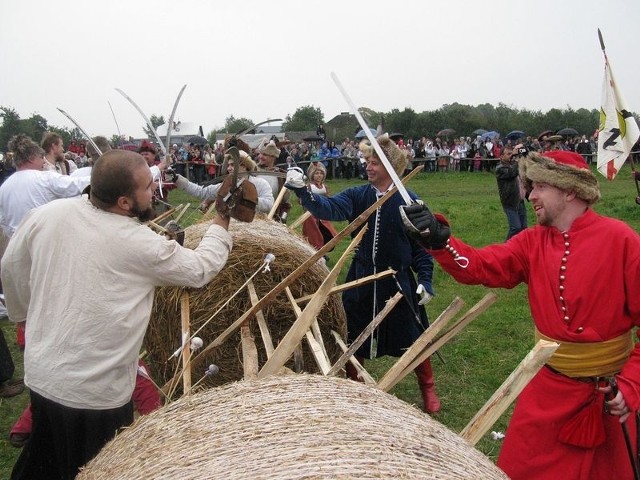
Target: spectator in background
x=511, y=191
x=584, y=148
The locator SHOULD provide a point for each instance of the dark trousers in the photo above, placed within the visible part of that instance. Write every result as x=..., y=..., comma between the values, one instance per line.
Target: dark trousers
x=64, y=439
x=6, y=362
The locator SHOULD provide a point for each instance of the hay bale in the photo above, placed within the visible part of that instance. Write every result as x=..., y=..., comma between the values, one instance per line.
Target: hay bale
x=251, y=243
x=295, y=426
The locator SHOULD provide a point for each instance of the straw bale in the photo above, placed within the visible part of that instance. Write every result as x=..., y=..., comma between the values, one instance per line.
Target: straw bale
x=295, y=426
x=251, y=242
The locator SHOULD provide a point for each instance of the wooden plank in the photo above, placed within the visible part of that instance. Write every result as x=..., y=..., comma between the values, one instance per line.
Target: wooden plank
x=320, y=356
x=457, y=327
x=292, y=338
x=186, y=347
x=262, y=323
x=508, y=391
x=352, y=284
x=397, y=369
x=366, y=333
x=249, y=353
x=364, y=375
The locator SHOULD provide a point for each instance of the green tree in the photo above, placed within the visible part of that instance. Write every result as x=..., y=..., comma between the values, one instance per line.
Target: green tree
x=156, y=121
x=233, y=125
x=34, y=126
x=304, y=119
x=10, y=126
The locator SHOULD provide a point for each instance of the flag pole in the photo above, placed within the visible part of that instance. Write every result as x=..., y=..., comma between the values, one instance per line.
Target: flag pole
x=632, y=161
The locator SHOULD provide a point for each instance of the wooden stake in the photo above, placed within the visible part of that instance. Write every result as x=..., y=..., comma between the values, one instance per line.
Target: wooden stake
x=249, y=352
x=366, y=333
x=262, y=323
x=277, y=201
x=508, y=391
x=368, y=379
x=467, y=318
x=298, y=272
x=292, y=338
x=318, y=352
x=397, y=371
x=182, y=212
x=300, y=220
x=352, y=284
x=164, y=215
x=186, y=347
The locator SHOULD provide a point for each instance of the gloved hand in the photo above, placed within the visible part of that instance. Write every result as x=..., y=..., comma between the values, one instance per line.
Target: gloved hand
x=421, y=225
x=295, y=178
x=425, y=297
x=170, y=175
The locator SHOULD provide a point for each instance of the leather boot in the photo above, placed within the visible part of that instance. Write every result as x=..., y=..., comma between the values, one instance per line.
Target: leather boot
x=424, y=372
x=352, y=373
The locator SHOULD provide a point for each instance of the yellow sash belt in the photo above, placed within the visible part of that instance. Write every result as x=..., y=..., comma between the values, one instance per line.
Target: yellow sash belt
x=599, y=359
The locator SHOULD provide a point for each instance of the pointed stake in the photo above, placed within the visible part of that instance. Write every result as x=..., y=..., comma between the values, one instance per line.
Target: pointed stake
x=364, y=375
x=186, y=347
x=399, y=369
x=366, y=333
x=508, y=391
x=292, y=338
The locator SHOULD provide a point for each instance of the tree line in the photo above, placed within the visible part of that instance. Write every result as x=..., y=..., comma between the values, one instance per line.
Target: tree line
x=463, y=119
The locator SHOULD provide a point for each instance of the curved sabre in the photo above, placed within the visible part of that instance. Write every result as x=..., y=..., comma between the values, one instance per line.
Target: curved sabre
x=173, y=112
x=146, y=119
x=86, y=135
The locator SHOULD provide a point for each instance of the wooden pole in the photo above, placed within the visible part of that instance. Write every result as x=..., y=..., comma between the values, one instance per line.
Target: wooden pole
x=366, y=333
x=300, y=220
x=292, y=338
x=508, y=391
x=368, y=379
x=186, y=347
x=276, y=203
x=262, y=323
x=393, y=375
x=318, y=352
x=354, y=283
x=467, y=318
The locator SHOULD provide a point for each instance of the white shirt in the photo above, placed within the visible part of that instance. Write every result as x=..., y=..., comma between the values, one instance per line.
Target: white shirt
x=27, y=189
x=265, y=194
x=87, y=307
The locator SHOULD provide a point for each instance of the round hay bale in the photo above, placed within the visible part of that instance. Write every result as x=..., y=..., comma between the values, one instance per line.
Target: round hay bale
x=251, y=242
x=294, y=426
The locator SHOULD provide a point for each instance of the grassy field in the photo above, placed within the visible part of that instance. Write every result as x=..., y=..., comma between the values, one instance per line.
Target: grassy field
x=484, y=354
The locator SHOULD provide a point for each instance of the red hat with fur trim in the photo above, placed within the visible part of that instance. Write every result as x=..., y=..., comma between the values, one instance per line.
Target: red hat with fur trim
x=561, y=169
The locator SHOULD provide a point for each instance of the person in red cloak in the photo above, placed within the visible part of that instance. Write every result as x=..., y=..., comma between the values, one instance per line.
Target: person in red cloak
x=583, y=275
x=317, y=231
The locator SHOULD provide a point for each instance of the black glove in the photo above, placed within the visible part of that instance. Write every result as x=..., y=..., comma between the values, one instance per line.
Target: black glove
x=421, y=225
x=170, y=175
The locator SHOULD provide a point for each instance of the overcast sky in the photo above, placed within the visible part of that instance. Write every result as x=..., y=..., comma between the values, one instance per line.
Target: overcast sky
x=262, y=59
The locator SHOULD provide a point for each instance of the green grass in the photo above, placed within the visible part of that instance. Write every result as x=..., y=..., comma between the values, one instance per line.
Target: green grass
x=480, y=358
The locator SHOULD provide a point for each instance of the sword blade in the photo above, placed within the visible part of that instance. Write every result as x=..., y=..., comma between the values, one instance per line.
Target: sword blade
x=374, y=143
x=173, y=112
x=86, y=135
x=146, y=119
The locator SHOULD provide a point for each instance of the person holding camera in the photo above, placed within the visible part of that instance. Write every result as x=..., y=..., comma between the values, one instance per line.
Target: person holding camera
x=576, y=419
x=510, y=190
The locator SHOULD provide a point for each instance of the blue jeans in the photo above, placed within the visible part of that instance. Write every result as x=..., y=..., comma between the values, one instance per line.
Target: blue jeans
x=517, y=219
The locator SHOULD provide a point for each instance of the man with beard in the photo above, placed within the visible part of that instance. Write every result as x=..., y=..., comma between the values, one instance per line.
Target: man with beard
x=268, y=153
x=53, y=147
x=88, y=307
x=583, y=276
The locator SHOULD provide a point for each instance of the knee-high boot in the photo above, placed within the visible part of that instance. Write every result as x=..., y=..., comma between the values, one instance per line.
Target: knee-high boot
x=424, y=372
x=352, y=373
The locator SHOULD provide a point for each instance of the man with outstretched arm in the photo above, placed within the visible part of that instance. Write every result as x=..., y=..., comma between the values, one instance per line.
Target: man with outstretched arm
x=88, y=307
x=583, y=275
x=384, y=245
